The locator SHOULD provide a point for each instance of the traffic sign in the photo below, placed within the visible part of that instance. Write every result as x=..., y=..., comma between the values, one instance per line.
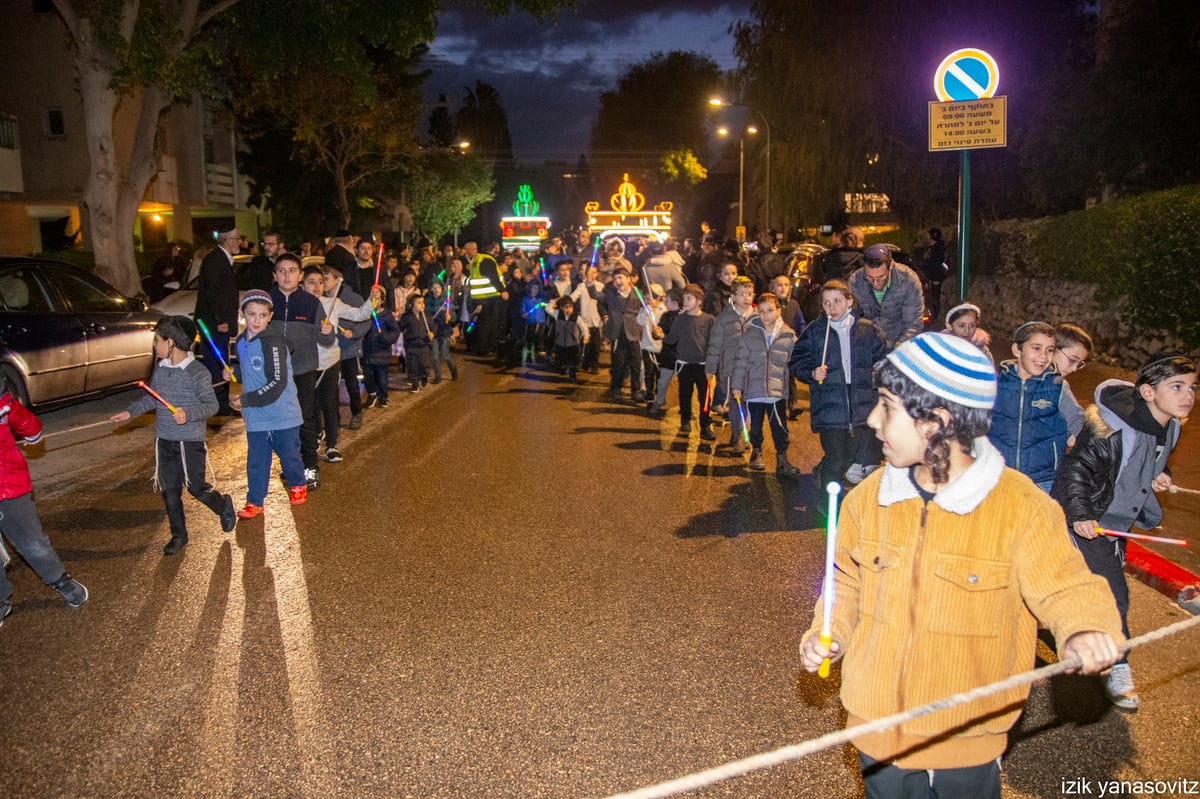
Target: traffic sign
x=968, y=126
x=967, y=74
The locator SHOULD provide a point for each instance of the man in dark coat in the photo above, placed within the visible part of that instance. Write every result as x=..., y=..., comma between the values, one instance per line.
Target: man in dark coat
x=341, y=255
x=217, y=308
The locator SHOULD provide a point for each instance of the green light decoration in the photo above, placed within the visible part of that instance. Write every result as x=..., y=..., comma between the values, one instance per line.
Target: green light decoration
x=525, y=204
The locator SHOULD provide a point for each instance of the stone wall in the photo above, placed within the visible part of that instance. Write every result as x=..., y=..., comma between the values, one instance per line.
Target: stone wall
x=1009, y=300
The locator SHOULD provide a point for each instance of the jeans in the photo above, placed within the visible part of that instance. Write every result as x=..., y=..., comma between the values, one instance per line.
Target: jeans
x=20, y=524
x=259, y=446
x=349, y=367
x=183, y=463
x=664, y=381
x=441, y=354
x=375, y=375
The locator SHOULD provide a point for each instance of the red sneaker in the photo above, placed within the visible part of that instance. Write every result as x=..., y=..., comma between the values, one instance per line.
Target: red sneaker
x=296, y=495
x=250, y=511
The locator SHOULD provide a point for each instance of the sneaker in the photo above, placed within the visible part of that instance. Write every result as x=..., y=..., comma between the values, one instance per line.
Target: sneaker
x=228, y=517
x=639, y=396
x=250, y=511
x=738, y=448
x=72, y=590
x=855, y=474
x=297, y=495
x=1119, y=688
x=311, y=479
x=333, y=455
x=685, y=428
x=414, y=388
x=382, y=403
x=355, y=421
x=453, y=372
x=174, y=545
x=371, y=400
x=5, y=609
x=706, y=434
x=424, y=382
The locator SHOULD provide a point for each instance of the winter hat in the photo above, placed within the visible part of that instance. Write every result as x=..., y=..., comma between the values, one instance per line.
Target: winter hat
x=256, y=295
x=179, y=330
x=948, y=367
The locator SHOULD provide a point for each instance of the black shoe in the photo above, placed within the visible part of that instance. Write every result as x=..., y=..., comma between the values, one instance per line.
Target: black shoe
x=233, y=412
x=72, y=590
x=685, y=428
x=453, y=372
x=639, y=396
x=174, y=545
x=382, y=403
x=355, y=421
x=228, y=515
x=371, y=400
x=706, y=434
x=5, y=609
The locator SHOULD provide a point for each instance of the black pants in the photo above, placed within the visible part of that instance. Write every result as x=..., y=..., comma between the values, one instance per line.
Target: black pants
x=841, y=448
x=183, y=463
x=776, y=413
x=692, y=379
x=650, y=373
x=626, y=355
x=885, y=781
x=1106, y=557
x=306, y=392
x=328, y=407
x=349, y=367
x=375, y=375
x=418, y=362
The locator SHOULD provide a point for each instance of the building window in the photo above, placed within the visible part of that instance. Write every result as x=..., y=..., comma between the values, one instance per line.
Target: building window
x=8, y=132
x=55, y=125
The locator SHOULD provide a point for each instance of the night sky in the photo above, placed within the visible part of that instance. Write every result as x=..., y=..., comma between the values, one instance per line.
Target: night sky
x=550, y=77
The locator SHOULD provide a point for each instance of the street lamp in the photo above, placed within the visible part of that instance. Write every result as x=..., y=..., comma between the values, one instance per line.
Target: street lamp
x=723, y=131
x=717, y=101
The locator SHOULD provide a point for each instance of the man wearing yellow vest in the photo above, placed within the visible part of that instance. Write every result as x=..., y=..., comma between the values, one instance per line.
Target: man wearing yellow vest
x=488, y=297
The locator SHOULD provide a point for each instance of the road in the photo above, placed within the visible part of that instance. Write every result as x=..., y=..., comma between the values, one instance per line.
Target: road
x=510, y=588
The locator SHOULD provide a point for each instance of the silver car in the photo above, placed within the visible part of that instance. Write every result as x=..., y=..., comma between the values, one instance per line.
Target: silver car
x=67, y=335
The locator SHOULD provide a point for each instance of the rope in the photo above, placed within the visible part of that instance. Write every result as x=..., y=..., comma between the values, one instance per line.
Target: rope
x=1174, y=489
x=737, y=768
x=77, y=429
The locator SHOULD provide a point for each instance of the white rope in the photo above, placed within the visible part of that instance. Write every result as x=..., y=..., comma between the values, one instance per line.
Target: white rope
x=1174, y=489
x=737, y=768
x=77, y=429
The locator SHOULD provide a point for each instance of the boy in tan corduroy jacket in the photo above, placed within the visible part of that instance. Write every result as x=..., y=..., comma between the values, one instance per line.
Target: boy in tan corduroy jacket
x=946, y=561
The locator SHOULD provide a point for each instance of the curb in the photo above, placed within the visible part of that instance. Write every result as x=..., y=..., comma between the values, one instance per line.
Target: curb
x=1168, y=578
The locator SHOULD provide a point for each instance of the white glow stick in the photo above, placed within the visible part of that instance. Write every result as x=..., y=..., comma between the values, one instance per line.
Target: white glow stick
x=827, y=592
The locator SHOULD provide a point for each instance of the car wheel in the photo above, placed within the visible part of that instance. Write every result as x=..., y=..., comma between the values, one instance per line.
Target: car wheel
x=14, y=383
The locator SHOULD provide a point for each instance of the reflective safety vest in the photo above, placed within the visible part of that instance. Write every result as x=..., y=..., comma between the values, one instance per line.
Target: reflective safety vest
x=481, y=287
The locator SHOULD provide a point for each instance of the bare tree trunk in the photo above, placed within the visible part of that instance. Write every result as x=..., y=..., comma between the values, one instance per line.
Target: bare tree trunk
x=339, y=177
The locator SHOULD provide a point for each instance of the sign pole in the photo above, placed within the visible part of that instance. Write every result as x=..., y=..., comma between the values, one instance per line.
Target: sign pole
x=964, y=221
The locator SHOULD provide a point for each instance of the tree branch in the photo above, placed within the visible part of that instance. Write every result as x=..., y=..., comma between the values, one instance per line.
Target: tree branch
x=69, y=17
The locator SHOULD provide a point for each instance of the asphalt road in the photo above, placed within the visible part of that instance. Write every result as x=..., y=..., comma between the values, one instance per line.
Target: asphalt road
x=510, y=588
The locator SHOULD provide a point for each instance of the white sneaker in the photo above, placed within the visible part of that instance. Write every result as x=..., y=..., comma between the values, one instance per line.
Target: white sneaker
x=1119, y=688
x=855, y=475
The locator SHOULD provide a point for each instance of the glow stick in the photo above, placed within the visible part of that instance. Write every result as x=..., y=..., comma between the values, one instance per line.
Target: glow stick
x=216, y=351
x=745, y=424
x=828, y=590
x=825, y=349
x=1142, y=537
x=595, y=249
x=378, y=266
x=157, y=396
x=645, y=307
x=712, y=379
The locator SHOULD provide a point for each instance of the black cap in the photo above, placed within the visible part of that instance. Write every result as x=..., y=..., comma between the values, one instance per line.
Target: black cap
x=179, y=330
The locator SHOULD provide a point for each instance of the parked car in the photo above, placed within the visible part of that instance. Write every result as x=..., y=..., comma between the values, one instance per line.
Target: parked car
x=66, y=335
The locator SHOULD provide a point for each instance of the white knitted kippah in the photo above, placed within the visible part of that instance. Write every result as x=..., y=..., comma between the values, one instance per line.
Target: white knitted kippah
x=949, y=367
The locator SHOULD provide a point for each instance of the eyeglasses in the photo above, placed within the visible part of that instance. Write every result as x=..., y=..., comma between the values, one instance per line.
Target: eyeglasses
x=1076, y=364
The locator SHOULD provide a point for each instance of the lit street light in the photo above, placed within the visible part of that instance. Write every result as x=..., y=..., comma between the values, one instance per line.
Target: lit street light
x=717, y=101
x=723, y=131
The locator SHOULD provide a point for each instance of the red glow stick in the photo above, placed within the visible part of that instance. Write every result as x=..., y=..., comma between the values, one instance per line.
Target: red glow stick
x=157, y=396
x=378, y=266
x=708, y=391
x=1157, y=539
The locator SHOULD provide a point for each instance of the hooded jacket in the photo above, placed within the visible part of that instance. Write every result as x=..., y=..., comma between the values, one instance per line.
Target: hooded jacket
x=15, y=420
x=834, y=405
x=1115, y=445
x=760, y=369
x=941, y=597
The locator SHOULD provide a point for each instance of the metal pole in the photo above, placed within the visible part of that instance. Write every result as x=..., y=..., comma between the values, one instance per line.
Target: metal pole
x=964, y=221
x=741, y=177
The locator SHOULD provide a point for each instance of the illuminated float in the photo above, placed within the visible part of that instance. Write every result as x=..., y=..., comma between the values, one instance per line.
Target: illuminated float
x=629, y=217
x=526, y=229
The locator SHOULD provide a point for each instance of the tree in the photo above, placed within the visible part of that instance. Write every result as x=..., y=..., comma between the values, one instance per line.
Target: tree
x=639, y=123
x=145, y=54
x=442, y=132
x=682, y=166
x=444, y=187
x=483, y=122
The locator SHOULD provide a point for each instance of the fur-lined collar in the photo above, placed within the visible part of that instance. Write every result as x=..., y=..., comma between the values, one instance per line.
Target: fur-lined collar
x=962, y=495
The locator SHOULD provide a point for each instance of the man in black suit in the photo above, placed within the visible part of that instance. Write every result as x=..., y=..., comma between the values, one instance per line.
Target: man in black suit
x=217, y=307
x=341, y=255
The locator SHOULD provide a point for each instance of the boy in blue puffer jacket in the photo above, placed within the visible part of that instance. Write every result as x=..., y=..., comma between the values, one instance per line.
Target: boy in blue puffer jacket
x=835, y=356
x=1029, y=425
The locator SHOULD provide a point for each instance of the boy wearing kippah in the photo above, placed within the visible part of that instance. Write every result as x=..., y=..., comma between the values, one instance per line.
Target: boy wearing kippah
x=946, y=562
x=1109, y=477
x=181, y=455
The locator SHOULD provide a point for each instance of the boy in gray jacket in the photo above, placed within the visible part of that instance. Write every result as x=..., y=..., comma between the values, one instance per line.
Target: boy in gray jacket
x=181, y=454
x=760, y=381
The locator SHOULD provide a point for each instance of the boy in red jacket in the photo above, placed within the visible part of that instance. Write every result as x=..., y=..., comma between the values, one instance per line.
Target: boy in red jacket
x=19, y=521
